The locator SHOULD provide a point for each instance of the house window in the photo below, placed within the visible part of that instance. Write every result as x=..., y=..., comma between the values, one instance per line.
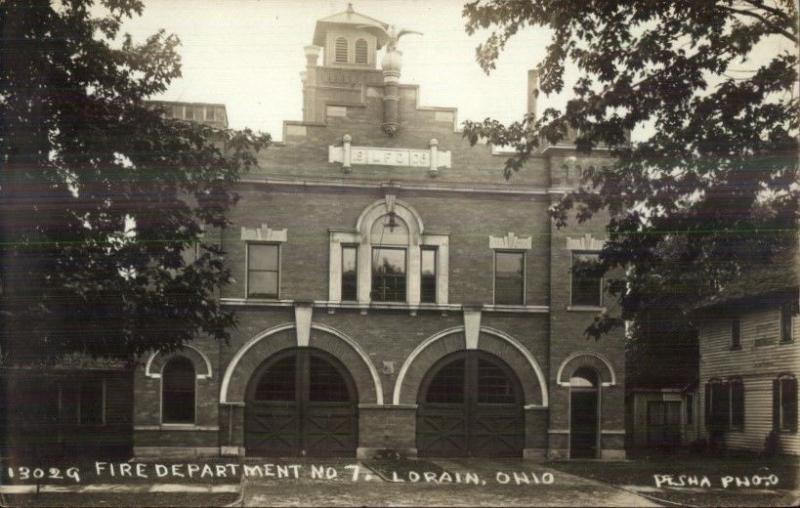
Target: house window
x=784, y=404
x=737, y=404
x=263, y=261
x=717, y=405
x=587, y=280
x=340, y=53
x=786, y=321
x=725, y=404
x=178, y=391
x=349, y=273
x=428, y=275
x=361, y=51
x=689, y=409
x=388, y=274
x=736, y=334
x=92, y=403
x=509, y=278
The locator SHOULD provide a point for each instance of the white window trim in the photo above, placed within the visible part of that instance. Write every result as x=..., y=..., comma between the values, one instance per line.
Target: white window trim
x=361, y=238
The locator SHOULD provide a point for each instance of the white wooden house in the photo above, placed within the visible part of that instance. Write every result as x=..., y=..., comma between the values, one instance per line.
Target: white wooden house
x=749, y=341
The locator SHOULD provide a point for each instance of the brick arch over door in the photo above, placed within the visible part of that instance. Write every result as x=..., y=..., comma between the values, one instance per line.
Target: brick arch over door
x=586, y=359
x=499, y=343
x=202, y=365
x=273, y=340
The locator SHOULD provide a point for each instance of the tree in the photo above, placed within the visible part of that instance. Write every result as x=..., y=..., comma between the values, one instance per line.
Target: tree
x=709, y=187
x=100, y=195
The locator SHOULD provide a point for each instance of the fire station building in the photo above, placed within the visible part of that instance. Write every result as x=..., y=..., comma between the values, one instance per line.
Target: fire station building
x=393, y=291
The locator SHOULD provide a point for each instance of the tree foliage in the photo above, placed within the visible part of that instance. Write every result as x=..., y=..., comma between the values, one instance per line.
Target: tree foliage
x=102, y=195
x=709, y=186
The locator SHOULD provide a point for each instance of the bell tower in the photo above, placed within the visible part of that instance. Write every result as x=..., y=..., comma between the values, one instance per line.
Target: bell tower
x=349, y=39
x=349, y=43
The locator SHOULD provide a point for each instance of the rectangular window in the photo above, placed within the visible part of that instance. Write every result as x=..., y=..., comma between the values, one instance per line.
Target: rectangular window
x=737, y=405
x=786, y=322
x=92, y=404
x=349, y=273
x=720, y=406
x=587, y=280
x=263, y=261
x=388, y=274
x=736, y=334
x=786, y=404
x=689, y=409
x=509, y=278
x=428, y=275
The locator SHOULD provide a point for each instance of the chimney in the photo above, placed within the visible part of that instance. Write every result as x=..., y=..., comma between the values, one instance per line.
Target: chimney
x=309, y=79
x=533, y=91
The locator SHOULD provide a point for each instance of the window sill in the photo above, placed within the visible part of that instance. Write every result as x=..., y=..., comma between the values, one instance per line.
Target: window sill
x=585, y=308
x=329, y=304
x=736, y=348
x=177, y=427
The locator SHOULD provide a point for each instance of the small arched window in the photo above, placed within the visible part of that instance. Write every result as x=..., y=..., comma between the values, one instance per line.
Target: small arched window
x=178, y=391
x=361, y=51
x=584, y=377
x=340, y=55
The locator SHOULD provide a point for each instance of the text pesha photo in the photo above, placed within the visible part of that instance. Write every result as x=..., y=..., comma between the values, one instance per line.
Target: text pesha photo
x=399, y=253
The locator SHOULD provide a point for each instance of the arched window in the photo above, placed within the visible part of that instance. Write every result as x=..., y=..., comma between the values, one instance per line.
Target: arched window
x=178, y=391
x=390, y=239
x=584, y=377
x=361, y=51
x=389, y=258
x=340, y=50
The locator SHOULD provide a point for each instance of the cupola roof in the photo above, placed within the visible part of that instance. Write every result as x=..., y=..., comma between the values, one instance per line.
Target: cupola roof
x=354, y=19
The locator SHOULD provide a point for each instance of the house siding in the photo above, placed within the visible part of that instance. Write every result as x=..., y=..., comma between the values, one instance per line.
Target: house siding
x=761, y=359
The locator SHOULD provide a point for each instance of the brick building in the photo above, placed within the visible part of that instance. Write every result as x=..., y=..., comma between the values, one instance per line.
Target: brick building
x=393, y=291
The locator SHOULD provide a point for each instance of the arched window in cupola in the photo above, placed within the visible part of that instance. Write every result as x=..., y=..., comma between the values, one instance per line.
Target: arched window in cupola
x=361, y=51
x=340, y=55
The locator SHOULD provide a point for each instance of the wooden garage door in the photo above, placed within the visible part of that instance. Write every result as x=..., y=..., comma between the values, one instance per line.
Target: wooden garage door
x=301, y=402
x=470, y=405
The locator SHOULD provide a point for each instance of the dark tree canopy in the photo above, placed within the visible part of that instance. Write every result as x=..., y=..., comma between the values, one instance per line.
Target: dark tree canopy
x=710, y=188
x=101, y=196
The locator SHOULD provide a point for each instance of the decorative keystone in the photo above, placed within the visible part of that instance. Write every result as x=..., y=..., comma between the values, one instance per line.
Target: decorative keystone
x=346, y=140
x=434, y=167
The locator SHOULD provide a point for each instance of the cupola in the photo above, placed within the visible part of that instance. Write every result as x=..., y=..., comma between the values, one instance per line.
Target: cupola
x=350, y=39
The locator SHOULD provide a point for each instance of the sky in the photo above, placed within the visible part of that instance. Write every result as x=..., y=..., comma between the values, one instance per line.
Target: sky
x=248, y=54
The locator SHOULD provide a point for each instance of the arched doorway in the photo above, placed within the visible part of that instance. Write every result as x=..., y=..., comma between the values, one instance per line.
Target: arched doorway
x=301, y=402
x=584, y=413
x=470, y=405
